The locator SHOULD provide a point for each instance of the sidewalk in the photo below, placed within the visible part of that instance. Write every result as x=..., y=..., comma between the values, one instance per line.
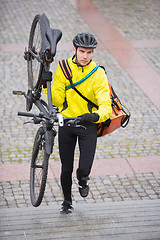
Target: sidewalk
x=126, y=169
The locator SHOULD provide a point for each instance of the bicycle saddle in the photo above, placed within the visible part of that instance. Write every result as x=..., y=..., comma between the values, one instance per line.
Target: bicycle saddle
x=50, y=37
x=53, y=36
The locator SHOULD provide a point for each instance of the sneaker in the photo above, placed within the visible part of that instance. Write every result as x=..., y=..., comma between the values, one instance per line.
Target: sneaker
x=83, y=188
x=66, y=208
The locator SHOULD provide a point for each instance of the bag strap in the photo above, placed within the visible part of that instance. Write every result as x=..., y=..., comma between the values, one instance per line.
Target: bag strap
x=66, y=68
x=83, y=79
x=68, y=74
x=86, y=99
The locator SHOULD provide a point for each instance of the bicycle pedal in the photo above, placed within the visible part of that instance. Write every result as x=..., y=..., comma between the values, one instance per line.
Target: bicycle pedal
x=15, y=92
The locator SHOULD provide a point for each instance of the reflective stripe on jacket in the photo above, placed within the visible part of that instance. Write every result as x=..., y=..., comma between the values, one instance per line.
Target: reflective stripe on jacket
x=95, y=88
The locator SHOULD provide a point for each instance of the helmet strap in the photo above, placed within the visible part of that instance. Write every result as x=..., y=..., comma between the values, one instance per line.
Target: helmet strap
x=76, y=60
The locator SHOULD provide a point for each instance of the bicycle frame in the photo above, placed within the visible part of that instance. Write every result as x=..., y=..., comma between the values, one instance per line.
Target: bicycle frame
x=50, y=117
x=50, y=38
x=50, y=133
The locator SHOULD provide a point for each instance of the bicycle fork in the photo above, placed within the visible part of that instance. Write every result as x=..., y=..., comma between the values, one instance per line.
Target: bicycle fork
x=49, y=136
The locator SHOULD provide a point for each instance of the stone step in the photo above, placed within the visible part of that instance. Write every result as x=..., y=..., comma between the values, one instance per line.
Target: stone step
x=113, y=220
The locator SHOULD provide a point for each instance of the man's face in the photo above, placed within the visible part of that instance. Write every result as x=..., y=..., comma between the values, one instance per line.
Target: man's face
x=84, y=55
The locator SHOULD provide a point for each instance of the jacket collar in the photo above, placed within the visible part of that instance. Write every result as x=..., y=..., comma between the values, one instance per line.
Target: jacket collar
x=78, y=65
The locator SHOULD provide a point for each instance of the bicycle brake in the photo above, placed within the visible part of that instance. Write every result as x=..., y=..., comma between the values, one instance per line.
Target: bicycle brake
x=28, y=122
x=35, y=120
x=74, y=123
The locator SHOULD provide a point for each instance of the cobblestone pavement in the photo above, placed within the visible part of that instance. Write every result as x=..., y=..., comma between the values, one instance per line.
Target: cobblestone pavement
x=102, y=189
x=136, y=20
x=152, y=57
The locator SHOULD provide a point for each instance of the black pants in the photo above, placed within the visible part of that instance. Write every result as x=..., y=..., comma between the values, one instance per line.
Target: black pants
x=87, y=139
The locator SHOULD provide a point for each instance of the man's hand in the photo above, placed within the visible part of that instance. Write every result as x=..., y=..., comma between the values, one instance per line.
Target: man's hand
x=89, y=117
x=46, y=76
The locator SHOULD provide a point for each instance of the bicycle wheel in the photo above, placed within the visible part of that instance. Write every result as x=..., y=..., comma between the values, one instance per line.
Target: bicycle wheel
x=39, y=169
x=34, y=67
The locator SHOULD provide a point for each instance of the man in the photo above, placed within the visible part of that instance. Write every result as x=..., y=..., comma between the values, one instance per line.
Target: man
x=71, y=104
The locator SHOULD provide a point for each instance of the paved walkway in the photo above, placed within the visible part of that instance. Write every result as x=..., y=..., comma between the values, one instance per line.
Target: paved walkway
x=127, y=162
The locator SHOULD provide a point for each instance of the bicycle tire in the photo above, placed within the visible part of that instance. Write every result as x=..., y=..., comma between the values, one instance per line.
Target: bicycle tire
x=34, y=67
x=38, y=169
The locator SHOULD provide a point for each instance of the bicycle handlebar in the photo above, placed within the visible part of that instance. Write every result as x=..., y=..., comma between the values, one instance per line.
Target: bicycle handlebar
x=70, y=122
x=25, y=114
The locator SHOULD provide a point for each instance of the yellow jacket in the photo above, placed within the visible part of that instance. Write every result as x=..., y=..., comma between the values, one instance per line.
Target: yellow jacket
x=95, y=88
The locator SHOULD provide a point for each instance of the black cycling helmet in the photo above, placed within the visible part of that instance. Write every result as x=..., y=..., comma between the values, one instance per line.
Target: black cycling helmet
x=86, y=40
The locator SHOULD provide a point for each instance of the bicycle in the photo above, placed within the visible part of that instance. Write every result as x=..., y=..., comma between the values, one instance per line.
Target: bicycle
x=42, y=46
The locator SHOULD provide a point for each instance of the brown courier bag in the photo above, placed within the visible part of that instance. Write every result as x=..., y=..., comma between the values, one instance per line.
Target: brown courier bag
x=119, y=117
